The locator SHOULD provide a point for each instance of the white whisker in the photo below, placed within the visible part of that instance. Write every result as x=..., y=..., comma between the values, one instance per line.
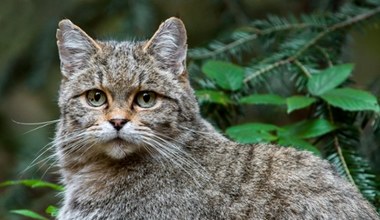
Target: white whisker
x=196, y=131
x=175, y=154
x=150, y=151
x=38, y=124
x=45, y=149
x=51, y=165
x=75, y=140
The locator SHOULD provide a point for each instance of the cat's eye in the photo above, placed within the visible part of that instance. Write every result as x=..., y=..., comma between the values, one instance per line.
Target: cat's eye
x=96, y=97
x=146, y=99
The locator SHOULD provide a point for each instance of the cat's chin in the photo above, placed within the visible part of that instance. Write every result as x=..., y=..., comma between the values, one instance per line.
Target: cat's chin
x=119, y=149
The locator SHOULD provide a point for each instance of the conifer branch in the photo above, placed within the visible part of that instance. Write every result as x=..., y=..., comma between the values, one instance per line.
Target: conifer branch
x=248, y=38
x=313, y=41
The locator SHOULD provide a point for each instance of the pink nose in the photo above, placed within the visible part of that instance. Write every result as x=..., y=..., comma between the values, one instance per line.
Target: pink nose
x=118, y=123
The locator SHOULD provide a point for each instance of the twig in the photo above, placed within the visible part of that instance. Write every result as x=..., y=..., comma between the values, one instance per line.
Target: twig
x=338, y=149
x=326, y=55
x=303, y=68
x=298, y=53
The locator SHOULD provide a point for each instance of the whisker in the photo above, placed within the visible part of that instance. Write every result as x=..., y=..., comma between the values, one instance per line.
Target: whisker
x=171, y=156
x=152, y=154
x=45, y=149
x=46, y=171
x=163, y=139
x=196, y=131
x=74, y=139
x=89, y=148
x=46, y=159
x=147, y=147
x=175, y=155
x=38, y=124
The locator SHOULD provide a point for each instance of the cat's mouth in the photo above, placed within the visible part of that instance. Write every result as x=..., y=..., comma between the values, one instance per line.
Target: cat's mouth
x=119, y=148
x=118, y=141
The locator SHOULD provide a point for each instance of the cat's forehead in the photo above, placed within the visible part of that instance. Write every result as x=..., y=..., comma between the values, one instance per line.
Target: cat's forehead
x=125, y=66
x=122, y=62
x=119, y=55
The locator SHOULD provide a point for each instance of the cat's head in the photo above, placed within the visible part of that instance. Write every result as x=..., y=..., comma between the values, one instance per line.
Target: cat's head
x=119, y=98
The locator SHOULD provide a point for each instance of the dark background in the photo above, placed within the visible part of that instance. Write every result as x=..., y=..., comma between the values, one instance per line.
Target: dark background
x=29, y=66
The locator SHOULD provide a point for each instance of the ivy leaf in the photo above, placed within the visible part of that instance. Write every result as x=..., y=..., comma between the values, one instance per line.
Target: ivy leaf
x=351, y=99
x=263, y=99
x=52, y=211
x=32, y=183
x=299, y=144
x=211, y=96
x=307, y=129
x=329, y=79
x=226, y=75
x=298, y=102
x=252, y=132
x=28, y=213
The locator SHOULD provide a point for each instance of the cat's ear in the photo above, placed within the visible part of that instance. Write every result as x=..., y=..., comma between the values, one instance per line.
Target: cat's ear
x=75, y=47
x=168, y=45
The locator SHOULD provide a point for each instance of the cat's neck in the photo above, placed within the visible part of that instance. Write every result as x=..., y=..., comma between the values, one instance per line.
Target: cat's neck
x=200, y=132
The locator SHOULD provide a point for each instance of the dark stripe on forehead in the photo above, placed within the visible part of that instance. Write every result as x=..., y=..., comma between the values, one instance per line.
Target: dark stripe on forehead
x=138, y=54
x=100, y=76
x=142, y=77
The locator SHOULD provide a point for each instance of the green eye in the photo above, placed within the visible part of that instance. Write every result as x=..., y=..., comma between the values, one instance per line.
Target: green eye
x=96, y=98
x=146, y=99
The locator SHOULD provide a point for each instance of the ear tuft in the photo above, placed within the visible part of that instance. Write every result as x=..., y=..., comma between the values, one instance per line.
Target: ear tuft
x=75, y=47
x=168, y=45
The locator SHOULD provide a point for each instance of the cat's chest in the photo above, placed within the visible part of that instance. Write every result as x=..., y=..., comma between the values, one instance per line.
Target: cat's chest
x=143, y=193
x=129, y=183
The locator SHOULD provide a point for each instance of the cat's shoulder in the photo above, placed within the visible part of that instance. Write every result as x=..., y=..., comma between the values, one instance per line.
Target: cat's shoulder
x=288, y=160
x=289, y=155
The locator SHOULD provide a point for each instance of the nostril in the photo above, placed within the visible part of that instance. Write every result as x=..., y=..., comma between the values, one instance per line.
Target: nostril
x=118, y=123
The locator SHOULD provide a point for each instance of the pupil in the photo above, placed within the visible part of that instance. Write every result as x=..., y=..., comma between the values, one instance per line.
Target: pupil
x=146, y=97
x=97, y=96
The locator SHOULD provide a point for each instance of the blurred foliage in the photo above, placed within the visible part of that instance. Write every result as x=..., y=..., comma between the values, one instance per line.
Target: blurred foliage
x=220, y=30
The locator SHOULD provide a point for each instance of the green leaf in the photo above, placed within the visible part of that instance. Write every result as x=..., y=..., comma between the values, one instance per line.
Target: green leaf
x=299, y=144
x=52, y=211
x=298, y=102
x=226, y=75
x=263, y=99
x=211, y=96
x=252, y=132
x=307, y=129
x=351, y=99
x=32, y=183
x=253, y=137
x=254, y=127
x=329, y=79
x=28, y=213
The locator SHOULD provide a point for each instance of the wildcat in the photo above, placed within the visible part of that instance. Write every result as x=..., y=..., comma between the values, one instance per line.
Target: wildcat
x=131, y=144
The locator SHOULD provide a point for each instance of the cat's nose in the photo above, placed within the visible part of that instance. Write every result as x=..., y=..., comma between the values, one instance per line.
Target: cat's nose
x=118, y=123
